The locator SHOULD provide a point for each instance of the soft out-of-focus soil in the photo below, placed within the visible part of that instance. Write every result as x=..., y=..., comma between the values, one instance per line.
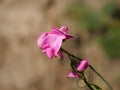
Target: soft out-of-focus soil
x=24, y=67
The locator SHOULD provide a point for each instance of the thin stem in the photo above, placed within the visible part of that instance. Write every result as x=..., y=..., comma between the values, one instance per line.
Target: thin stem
x=83, y=77
x=93, y=69
x=70, y=54
x=101, y=77
x=86, y=82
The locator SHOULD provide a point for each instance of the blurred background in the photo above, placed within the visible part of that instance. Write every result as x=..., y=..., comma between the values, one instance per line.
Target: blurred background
x=95, y=23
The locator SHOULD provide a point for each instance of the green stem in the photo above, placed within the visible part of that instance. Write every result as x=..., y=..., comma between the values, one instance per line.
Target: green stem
x=93, y=69
x=86, y=82
x=101, y=77
x=70, y=54
x=88, y=85
x=83, y=77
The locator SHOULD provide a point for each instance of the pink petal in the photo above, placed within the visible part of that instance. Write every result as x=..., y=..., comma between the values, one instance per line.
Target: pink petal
x=69, y=36
x=49, y=53
x=41, y=38
x=49, y=39
x=45, y=47
x=58, y=32
x=61, y=33
x=59, y=54
x=56, y=45
x=64, y=29
x=73, y=74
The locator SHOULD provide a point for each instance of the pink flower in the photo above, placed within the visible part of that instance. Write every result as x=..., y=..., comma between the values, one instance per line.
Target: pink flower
x=81, y=66
x=50, y=42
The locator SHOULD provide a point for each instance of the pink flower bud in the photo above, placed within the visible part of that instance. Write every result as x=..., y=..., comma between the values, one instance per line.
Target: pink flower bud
x=81, y=66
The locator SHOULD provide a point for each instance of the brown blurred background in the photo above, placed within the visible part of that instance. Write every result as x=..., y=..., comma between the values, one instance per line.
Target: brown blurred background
x=23, y=66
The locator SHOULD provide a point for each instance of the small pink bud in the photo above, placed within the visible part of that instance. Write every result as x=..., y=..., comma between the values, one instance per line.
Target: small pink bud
x=81, y=66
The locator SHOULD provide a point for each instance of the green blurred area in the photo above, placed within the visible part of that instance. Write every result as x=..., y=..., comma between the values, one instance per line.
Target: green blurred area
x=105, y=23
x=111, y=42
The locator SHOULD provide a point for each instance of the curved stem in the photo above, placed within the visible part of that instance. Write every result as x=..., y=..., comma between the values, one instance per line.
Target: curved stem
x=93, y=69
x=87, y=83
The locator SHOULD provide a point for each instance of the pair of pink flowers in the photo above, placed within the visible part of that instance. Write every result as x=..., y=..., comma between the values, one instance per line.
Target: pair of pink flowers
x=51, y=42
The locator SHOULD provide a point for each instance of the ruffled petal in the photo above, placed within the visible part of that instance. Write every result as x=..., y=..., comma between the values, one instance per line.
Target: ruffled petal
x=52, y=41
x=49, y=39
x=62, y=32
x=41, y=38
x=58, y=32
